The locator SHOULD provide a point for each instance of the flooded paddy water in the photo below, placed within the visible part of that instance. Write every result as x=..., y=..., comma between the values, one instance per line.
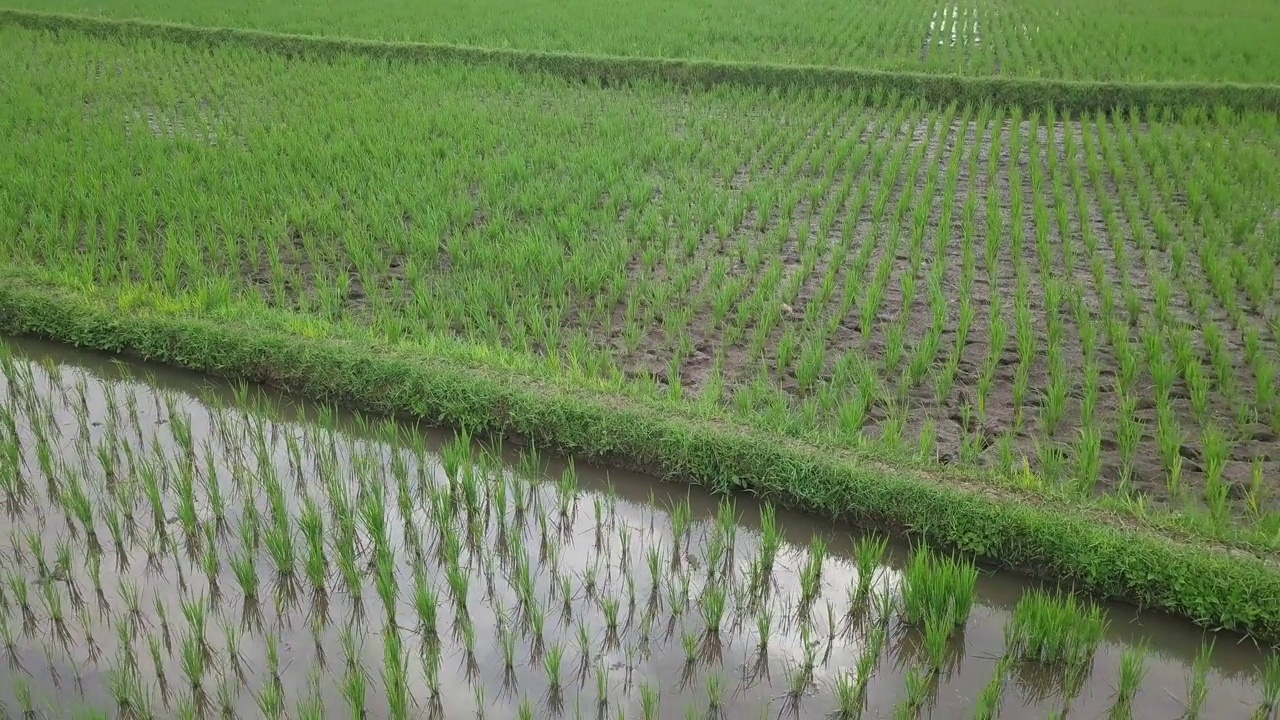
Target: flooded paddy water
x=177, y=546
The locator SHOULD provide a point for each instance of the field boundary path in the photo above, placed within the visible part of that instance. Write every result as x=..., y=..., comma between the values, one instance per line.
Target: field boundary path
x=1066, y=96
x=1213, y=584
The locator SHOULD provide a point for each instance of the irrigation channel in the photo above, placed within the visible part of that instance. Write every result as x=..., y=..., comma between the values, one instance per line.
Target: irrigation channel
x=181, y=546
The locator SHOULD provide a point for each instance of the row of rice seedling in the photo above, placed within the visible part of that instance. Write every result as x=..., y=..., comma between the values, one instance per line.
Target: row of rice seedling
x=232, y=561
x=973, y=285
x=982, y=38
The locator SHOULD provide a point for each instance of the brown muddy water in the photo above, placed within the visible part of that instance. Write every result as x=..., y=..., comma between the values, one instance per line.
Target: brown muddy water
x=178, y=546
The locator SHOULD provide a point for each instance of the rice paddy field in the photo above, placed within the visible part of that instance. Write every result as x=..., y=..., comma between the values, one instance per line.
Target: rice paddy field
x=1092, y=298
x=886, y=291
x=1164, y=40
x=182, y=548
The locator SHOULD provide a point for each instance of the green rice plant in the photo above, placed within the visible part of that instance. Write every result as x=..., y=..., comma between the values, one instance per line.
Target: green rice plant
x=992, y=695
x=35, y=548
x=132, y=697
x=351, y=649
x=927, y=442
x=681, y=517
x=770, y=538
x=586, y=647
x=764, y=623
x=186, y=507
x=129, y=592
x=811, y=575
x=631, y=595
x=273, y=657
x=373, y=513
x=715, y=694
x=316, y=564
x=426, y=604
x=937, y=587
x=1089, y=459
x=602, y=689
x=566, y=595
x=310, y=707
x=884, y=605
x=1055, y=402
x=524, y=584
x=279, y=541
x=232, y=650
x=1198, y=682
x=1169, y=434
x=624, y=547
x=507, y=642
x=918, y=686
x=270, y=701
x=1174, y=480
x=567, y=489
x=1259, y=492
x=396, y=675
x=192, y=662
x=249, y=528
x=1055, y=629
x=895, y=344
x=1271, y=685
x=386, y=581
x=345, y=545
x=809, y=366
x=590, y=580
x=689, y=642
x=727, y=519
x=62, y=565
x=161, y=614
x=22, y=692
x=611, y=606
x=8, y=640
x=155, y=497
x=78, y=505
x=55, y=612
x=937, y=641
x=986, y=381
x=1216, y=450
x=459, y=585
x=869, y=556
x=715, y=555
x=1132, y=672
x=848, y=700
x=1129, y=432
x=196, y=613
x=869, y=658
x=537, y=617
x=893, y=426
x=355, y=691
x=650, y=701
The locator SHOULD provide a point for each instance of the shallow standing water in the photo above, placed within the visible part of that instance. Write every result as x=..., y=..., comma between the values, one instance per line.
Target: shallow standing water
x=179, y=603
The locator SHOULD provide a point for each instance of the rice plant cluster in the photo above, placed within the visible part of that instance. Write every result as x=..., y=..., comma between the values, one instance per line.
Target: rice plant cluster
x=1169, y=41
x=1084, y=304
x=180, y=555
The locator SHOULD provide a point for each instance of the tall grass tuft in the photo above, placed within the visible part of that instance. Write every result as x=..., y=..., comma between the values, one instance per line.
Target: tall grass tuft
x=1055, y=629
x=937, y=587
x=1133, y=671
